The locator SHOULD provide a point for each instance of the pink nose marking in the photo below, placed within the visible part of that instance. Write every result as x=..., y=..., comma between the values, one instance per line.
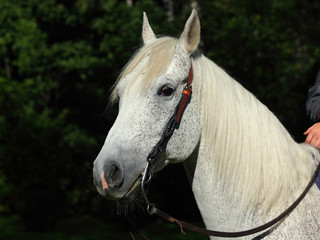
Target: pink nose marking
x=104, y=182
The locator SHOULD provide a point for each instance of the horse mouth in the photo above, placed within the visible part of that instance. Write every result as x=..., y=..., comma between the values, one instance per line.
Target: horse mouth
x=130, y=193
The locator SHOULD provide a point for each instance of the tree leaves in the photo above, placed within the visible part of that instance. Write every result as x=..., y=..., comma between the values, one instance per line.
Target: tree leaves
x=58, y=60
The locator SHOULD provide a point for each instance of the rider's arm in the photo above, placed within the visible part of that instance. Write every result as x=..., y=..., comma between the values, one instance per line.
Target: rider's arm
x=313, y=111
x=313, y=102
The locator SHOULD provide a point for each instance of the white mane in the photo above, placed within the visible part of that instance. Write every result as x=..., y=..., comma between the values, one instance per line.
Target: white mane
x=248, y=148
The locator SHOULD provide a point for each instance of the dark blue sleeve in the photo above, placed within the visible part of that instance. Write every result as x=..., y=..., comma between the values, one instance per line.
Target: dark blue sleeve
x=313, y=102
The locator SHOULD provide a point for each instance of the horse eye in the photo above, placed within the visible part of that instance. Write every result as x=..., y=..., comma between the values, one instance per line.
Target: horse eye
x=166, y=91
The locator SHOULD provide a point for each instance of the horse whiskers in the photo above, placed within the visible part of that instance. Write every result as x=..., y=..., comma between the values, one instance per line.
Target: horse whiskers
x=129, y=208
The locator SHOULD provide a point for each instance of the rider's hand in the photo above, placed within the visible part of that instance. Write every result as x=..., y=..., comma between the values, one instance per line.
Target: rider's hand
x=313, y=133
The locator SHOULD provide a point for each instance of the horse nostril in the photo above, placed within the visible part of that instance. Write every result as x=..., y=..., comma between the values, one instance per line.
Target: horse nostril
x=113, y=176
x=114, y=173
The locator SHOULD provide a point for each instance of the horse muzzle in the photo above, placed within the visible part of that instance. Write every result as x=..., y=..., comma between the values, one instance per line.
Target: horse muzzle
x=109, y=180
x=114, y=180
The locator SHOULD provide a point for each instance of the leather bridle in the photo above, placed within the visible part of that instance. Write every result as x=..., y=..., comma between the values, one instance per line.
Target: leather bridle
x=159, y=148
x=172, y=124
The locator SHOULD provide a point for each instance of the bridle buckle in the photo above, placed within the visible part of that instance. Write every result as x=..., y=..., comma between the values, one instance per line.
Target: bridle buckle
x=146, y=178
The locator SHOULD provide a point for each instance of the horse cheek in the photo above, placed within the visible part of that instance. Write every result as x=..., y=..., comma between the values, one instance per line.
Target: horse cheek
x=186, y=139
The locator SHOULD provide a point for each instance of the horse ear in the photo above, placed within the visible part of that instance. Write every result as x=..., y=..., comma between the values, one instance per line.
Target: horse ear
x=147, y=33
x=190, y=36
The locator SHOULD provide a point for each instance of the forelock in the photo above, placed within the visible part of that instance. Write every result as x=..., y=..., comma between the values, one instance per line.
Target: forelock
x=159, y=54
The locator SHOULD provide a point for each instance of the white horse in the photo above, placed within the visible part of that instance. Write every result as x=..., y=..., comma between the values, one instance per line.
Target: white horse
x=243, y=165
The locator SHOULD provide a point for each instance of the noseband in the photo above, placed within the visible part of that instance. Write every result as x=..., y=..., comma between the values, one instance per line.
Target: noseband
x=159, y=148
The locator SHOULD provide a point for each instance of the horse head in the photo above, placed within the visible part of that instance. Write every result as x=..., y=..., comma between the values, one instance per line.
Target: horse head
x=148, y=91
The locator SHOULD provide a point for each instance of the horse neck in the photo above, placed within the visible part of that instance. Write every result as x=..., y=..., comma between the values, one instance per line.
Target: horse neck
x=246, y=160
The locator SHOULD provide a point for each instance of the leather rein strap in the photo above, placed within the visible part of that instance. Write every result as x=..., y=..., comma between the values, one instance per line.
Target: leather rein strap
x=159, y=148
x=184, y=225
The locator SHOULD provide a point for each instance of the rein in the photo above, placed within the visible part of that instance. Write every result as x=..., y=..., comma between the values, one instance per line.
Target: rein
x=183, y=225
x=160, y=147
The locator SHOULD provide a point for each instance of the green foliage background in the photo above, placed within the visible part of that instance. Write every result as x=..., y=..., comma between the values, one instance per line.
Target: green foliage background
x=58, y=59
